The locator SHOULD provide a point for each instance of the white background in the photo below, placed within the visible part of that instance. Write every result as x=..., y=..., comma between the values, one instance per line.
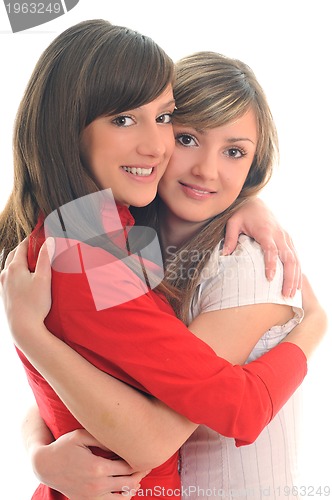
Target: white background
x=288, y=45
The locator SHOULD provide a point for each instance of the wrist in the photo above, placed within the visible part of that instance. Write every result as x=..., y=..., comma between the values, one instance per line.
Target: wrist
x=39, y=458
x=32, y=338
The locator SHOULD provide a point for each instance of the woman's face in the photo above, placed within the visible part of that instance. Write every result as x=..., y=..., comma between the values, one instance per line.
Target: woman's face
x=129, y=152
x=208, y=168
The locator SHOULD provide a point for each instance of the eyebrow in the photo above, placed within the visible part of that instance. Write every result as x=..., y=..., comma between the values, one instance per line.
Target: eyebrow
x=229, y=139
x=163, y=105
x=238, y=139
x=169, y=103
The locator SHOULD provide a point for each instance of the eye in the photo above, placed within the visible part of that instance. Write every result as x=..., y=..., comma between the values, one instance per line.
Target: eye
x=186, y=140
x=165, y=118
x=235, y=153
x=123, y=121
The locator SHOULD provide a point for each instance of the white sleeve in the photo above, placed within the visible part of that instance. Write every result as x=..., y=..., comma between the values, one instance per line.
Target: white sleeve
x=239, y=279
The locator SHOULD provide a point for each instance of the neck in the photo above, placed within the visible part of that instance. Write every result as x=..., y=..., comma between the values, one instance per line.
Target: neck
x=175, y=232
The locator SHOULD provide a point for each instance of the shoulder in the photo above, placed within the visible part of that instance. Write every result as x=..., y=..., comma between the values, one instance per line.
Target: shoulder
x=246, y=264
x=244, y=271
x=239, y=279
x=247, y=257
x=247, y=253
x=101, y=280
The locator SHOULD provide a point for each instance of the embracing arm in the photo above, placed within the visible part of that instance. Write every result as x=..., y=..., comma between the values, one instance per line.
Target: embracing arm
x=112, y=410
x=53, y=359
x=67, y=465
x=241, y=327
x=256, y=220
x=314, y=325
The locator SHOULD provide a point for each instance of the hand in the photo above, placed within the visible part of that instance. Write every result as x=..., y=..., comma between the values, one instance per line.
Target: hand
x=257, y=221
x=68, y=465
x=26, y=295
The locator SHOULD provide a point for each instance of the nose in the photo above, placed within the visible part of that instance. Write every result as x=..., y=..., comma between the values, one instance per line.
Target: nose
x=153, y=141
x=206, y=166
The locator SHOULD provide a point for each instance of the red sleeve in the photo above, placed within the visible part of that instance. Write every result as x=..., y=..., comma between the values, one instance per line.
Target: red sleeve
x=142, y=343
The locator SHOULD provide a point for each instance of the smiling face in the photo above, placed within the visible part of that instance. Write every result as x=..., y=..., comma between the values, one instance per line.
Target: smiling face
x=129, y=152
x=208, y=168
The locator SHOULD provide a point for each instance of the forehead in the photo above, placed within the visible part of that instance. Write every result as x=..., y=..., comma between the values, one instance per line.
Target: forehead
x=245, y=125
x=246, y=121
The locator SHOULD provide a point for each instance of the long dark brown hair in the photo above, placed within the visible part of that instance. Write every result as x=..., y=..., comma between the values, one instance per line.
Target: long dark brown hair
x=90, y=70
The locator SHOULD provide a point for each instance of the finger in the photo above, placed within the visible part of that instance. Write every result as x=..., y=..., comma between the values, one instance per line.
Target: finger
x=83, y=438
x=120, y=496
x=12, y=253
x=125, y=483
x=288, y=287
x=300, y=280
x=270, y=252
x=9, y=259
x=290, y=263
x=278, y=247
x=43, y=266
x=298, y=270
x=232, y=233
x=118, y=468
x=292, y=267
x=19, y=255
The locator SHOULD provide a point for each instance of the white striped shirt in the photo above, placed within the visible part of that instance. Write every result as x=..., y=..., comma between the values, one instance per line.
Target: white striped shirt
x=211, y=465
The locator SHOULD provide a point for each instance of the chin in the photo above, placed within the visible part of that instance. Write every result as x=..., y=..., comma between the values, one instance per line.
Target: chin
x=141, y=201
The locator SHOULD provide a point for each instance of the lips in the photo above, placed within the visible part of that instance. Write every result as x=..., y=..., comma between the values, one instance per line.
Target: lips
x=198, y=189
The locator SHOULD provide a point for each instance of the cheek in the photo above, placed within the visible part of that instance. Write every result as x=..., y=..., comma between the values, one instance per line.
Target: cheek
x=233, y=184
x=179, y=162
x=172, y=169
x=171, y=144
x=237, y=177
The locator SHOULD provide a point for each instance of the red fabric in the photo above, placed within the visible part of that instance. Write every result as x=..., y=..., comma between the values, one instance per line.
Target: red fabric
x=142, y=343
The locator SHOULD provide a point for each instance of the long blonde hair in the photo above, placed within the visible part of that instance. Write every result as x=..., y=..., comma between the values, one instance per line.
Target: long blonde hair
x=211, y=90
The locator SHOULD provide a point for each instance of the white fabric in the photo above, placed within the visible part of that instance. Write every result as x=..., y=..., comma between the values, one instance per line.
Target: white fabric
x=211, y=465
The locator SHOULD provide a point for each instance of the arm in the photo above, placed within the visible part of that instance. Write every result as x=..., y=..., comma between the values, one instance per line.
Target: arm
x=317, y=322
x=156, y=422
x=49, y=352
x=69, y=465
x=238, y=297
x=241, y=329
x=66, y=465
x=257, y=221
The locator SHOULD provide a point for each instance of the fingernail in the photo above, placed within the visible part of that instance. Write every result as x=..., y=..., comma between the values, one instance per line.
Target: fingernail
x=270, y=275
x=225, y=250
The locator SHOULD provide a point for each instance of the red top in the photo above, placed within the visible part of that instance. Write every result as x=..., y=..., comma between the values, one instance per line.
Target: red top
x=142, y=343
